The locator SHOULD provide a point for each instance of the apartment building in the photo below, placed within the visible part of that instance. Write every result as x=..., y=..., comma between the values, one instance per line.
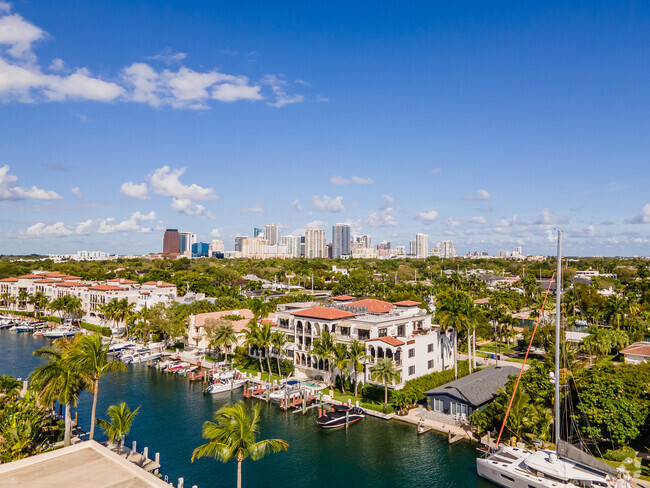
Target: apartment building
x=400, y=331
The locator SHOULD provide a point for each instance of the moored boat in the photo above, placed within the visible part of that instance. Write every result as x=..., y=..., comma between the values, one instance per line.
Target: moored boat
x=63, y=331
x=340, y=416
x=224, y=385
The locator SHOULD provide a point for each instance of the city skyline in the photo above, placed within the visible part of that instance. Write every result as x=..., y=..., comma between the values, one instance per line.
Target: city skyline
x=485, y=125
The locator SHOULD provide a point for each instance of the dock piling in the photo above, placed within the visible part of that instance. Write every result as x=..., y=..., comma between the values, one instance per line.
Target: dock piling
x=145, y=452
x=133, y=448
x=181, y=482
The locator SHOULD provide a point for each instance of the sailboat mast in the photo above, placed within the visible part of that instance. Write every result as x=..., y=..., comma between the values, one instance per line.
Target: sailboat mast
x=558, y=336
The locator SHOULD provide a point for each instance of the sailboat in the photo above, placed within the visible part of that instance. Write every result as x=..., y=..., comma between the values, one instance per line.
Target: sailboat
x=567, y=466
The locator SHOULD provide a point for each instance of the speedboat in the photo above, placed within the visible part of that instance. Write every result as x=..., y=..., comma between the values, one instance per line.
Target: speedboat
x=224, y=385
x=63, y=331
x=290, y=389
x=340, y=416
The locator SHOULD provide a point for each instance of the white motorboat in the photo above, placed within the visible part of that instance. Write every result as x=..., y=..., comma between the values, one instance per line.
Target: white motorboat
x=291, y=389
x=224, y=385
x=63, y=331
x=568, y=466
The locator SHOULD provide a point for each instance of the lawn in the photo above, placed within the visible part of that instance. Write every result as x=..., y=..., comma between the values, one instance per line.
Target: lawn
x=363, y=402
x=634, y=467
x=492, y=347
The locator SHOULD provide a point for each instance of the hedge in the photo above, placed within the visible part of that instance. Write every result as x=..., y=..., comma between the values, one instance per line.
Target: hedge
x=105, y=331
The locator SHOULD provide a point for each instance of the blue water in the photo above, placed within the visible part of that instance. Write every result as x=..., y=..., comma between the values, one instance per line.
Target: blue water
x=373, y=453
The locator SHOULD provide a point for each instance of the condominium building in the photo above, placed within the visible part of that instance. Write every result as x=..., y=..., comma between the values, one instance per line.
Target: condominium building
x=400, y=331
x=292, y=244
x=185, y=241
x=171, y=243
x=238, y=243
x=421, y=246
x=315, y=244
x=257, y=231
x=340, y=240
x=447, y=249
x=271, y=234
x=413, y=251
x=360, y=242
x=216, y=246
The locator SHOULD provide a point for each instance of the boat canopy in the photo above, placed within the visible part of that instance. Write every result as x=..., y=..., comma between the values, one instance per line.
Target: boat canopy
x=569, y=451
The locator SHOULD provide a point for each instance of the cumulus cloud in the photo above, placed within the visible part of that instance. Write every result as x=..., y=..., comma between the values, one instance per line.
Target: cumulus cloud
x=215, y=234
x=383, y=218
x=480, y=195
x=328, y=204
x=23, y=80
x=359, y=180
x=91, y=226
x=478, y=219
x=388, y=198
x=76, y=191
x=427, y=216
x=188, y=207
x=315, y=224
x=296, y=204
x=166, y=181
x=135, y=190
x=642, y=218
x=548, y=218
x=10, y=191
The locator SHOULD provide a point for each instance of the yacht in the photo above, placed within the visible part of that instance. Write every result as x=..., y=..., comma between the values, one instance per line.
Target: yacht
x=290, y=389
x=62, y=331
x=225, y=385
x=340, y=416
x=567, y=466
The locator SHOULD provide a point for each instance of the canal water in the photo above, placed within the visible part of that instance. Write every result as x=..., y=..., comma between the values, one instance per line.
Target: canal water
x=373, y=453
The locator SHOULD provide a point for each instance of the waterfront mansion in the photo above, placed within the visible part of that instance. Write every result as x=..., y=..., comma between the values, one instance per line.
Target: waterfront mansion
x=401, y=331
x=93, y=294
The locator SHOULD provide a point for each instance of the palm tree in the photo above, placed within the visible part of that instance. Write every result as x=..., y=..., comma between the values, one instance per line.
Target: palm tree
x=234, y=436
x=615, y=310
x=357, y=355
x=323, y=348
x=73, y=306
x=253, y=340
x=264, y=341
x=58, y=379
x=90, y=355
x=23, y=296
x=279, y=341
x=120, y=424
x=10, y=387
x=341, y=362
x=39, y=300
x=385, y=372
x=5, y=299
x=224, y=336
x=58, y=305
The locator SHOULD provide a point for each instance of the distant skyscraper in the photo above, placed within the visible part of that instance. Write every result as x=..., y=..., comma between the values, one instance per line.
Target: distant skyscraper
x=257, y=231
x=421, y=246
x=185, y=241
x=315, y=245
x=340, y=240
x=293, y=245
x=216, y=246
x=271, y=234
x=171, y=242
x=413, y=248
x=447, y=249
x=238, y=243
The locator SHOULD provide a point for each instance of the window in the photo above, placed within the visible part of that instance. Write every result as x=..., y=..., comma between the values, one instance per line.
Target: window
x=383, y=332
x=438, y=405
x=430, y=364
x=411, y=370
x=430, y=348
x=508, y=478
x=412, y=352
x=400, y=331
x=363, y=334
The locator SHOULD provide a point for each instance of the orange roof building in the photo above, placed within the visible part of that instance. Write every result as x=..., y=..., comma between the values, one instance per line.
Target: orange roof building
x=372, y=305
x=407, y=303
x=323, y=313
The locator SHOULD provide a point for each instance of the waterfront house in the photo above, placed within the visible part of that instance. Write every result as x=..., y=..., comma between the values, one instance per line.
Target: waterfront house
x=637, y=353
x=400, y=331
x=197, y=335
x=469, y=393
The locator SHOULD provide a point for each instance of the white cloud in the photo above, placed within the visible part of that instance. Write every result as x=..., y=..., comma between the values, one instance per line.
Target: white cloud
x=547, y=218
x=388, y=198
x=328, y=204
x=166, y=181
x=322, y=99
x=135, y=190
x=642, y=218
x=316, y=224
x=478, y=219
x=228, y=92
x=215, y=234
x=57, y=65
x=76, y=191
x=296, y=204
x=8, y=191
x=5, y=7
x=383, y=218
x=278, y=85
x=19, y=34
x=427, y=216
x=480, y=195
x=362, y=180
x=168, y=56
x=452, y=223
x=303, y=83
x=188, y=207
x=339, y=180
x=359, y=180
x=253, y=209
x=90, y=226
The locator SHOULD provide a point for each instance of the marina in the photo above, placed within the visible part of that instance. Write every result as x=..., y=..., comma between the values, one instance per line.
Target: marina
x=374, y=452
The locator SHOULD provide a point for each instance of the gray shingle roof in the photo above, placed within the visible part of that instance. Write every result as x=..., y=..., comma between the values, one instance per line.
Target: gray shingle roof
x=477, y=388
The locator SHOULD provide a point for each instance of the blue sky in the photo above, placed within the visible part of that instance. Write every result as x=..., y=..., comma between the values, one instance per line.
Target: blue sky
x=488, y=123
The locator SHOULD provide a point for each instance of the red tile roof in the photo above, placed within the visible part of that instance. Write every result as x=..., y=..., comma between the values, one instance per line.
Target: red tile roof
x=343, y=298
x=122, y=280
x=324, y=313
x=407, y=303
x=640, y=349
x=105, y=288
x=391, y=341
x=48, y=280
x=31, y=276
x=373, y=305
x=71, y=284
x=10, y=280
x=156, y=283
x=69, y=277
x=237, y=325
